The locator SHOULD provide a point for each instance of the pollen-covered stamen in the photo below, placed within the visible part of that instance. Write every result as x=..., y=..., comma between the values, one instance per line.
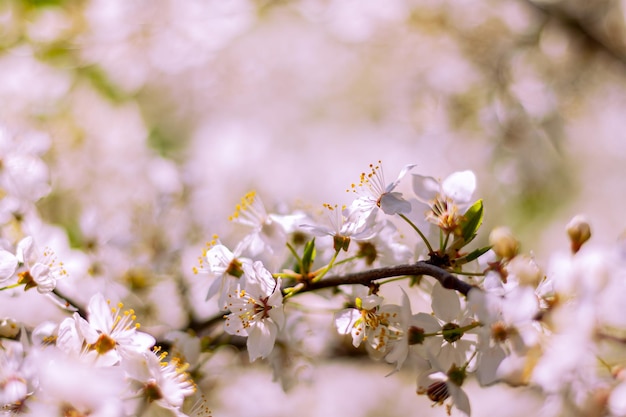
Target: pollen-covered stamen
x=335, y=216
x=500, y=332
x=379, y=327
x=437, y=392
x=124, y=321
x=200, y=408
x=50, y=260
x=261, y=307
x=372, y=182
x=250, y=210
x=444, y=213
x=68, y=410
x=248, y=309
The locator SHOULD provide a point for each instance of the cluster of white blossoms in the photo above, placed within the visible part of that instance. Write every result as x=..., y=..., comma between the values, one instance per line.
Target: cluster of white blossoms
x=493, y=313
x=466, y=310
x=57, y=356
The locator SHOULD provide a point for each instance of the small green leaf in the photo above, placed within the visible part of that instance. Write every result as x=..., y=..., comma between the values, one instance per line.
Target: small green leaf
x=473, y=218
x=472, y=256
x=309, y=256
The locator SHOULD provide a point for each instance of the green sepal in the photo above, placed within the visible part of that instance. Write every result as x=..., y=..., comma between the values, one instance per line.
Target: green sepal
x=415, y=280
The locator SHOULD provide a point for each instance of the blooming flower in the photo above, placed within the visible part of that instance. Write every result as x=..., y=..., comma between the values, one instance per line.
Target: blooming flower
x=268, y=234
x=14, y=378
x=108, y=335
x=256, y=310
x=375, y=194
x=371, y=322
x=445, y=198
x=42, y=271
x=414, y=331
x=441, y=385
x=452, y=319
x=345, y=225
x=507, y=327
x=67, y=387
x=225, y=267
x=165, y=382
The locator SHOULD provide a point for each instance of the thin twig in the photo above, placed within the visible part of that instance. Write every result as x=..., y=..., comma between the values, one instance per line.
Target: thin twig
x=446, y=279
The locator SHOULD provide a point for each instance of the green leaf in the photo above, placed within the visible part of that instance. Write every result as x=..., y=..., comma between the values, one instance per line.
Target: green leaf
x=475, y=254
x=309, y=256
x=473, y=218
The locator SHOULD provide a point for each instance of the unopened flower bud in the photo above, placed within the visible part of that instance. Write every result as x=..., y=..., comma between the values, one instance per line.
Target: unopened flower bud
x=526, y=270
x=579, y=232
x=9, y=328
x=503, y=242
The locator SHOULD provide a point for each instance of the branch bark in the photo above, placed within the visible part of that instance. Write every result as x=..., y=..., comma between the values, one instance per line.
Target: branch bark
x=447, y=279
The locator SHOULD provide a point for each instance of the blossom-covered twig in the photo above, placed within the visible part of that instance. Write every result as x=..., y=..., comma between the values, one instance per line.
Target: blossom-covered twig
x=447, y=279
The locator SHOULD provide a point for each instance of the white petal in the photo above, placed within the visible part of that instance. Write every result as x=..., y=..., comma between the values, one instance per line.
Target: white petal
x=371, y=301
x=445, y=303
x=426, y=322
x=345, y=319
x=278, y=316
x=259, y=282
x=261, y=338
x=460, y=186
x=490, y=360
x=393, y=203
x=234, y=325
x=425, y=188
x=401, y=175
x=617, y=400
x=24, y=250
x=219, y=258
x=8, y=264
x=216, y=287
x=99, y=313
x=86, y=331
x=461, y=402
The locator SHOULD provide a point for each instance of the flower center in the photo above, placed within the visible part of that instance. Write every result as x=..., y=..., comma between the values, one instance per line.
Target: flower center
x=69, y=411
x=262, y=308
x=451, y=332
x=104, y=344
x=152, y=391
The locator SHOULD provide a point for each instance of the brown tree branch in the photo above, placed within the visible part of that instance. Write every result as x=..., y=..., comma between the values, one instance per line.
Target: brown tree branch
x=584, y=25
x=447, y=279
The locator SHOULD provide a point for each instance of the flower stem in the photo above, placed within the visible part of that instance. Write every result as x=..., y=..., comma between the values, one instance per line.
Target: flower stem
x=419, y=232
x=319, y=274
x=8, y=287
